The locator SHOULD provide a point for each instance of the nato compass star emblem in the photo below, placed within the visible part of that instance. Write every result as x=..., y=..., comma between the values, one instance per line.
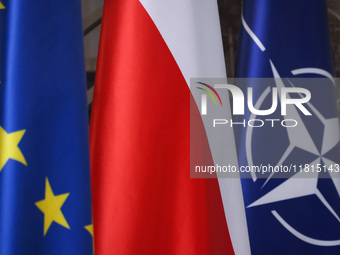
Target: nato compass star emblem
x=303, y=184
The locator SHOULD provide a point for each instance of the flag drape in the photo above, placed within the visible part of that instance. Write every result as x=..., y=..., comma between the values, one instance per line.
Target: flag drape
x=45, y=199
x=144, y=199
x=290, y=39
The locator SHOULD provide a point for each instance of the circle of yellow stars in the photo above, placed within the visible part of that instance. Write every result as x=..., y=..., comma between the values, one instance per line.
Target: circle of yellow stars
x=51, y=205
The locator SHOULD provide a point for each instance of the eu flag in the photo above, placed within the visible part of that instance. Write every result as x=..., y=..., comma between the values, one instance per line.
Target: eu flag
x=45, y=205
x=290, y=39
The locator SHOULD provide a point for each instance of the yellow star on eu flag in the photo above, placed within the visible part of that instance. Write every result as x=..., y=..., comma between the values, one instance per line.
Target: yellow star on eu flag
x=51, y=208
x=2, y=6
x=89, y=228
x=9, y=147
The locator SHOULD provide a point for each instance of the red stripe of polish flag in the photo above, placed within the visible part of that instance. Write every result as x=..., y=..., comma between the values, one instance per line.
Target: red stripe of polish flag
x=144, y=201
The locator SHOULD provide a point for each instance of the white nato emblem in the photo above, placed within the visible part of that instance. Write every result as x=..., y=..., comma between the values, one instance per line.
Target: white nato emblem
x=299, y=137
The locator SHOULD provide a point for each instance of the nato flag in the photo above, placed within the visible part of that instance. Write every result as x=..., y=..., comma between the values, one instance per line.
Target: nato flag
x=290, y=39
x=45, y=205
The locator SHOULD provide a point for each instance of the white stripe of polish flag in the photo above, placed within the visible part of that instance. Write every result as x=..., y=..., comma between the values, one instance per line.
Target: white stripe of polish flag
x=143, y=199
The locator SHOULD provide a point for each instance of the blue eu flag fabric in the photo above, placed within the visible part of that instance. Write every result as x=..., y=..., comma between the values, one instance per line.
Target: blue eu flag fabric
x=290, y=39
x=45, y=205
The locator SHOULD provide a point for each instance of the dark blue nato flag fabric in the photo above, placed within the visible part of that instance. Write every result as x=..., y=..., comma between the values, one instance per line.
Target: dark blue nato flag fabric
x=292, y=216
x=45, y=205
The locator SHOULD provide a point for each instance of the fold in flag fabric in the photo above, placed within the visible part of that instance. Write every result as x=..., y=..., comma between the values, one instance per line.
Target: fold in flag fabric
x=45, y=198
x=144, y=199
x=290, y=39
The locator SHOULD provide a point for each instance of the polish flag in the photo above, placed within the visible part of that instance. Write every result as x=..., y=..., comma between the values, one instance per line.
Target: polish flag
x=144, y=201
